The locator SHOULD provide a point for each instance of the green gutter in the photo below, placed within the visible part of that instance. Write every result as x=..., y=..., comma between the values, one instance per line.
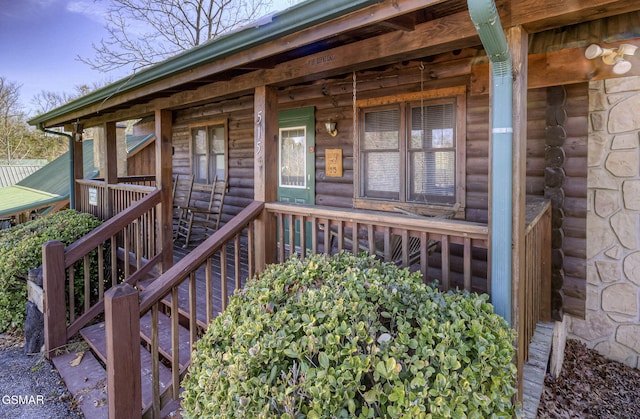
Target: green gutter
x=487, y=22
x=72, y=194
x=291, y=20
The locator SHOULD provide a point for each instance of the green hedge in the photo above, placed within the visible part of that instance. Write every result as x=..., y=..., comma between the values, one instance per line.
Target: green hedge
x=21, y=251
x=350, y=337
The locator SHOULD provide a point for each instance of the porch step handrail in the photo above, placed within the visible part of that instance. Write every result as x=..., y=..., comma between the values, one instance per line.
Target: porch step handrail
x=58, y=270
x=106, y=230
x=162, y=293
x=182, y=269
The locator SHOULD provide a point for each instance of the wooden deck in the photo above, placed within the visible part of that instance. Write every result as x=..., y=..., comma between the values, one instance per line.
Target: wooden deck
x=535, y=368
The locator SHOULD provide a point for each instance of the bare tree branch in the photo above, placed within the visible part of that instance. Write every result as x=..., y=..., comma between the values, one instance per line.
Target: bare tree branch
x=17, y=139
x=144, y=32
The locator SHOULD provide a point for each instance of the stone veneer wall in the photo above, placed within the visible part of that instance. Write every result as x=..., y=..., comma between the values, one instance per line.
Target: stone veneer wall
x=612, y=320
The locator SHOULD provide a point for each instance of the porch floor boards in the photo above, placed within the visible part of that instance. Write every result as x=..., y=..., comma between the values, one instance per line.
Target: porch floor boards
x=535, y=368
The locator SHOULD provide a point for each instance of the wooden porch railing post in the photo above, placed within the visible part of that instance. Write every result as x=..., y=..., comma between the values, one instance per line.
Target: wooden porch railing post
x=545, y=281
x=265, y=171
x=122, y=324
x=55, y=308
x=164, y=168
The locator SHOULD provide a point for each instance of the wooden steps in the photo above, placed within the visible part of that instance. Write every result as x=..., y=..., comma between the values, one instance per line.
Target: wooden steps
x=164, y=338
x=87, y=380
x=183, y=288
x=536, y=367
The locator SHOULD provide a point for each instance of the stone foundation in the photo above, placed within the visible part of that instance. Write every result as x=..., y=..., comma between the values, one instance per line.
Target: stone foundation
x=612, y=321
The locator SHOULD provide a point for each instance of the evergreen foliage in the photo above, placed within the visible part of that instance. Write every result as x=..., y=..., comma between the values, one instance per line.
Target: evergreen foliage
x=347, y=337
x=21, y=251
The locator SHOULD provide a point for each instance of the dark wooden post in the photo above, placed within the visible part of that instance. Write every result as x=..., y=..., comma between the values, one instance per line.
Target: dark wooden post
x=78, y=167
x=110, y=163
x=164, y=170
x=265, y=171
x=517, y=39
x=122, y=324
x=55, y=308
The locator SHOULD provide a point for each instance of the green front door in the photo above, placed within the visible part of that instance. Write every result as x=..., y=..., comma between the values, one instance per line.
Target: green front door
x=296, y=162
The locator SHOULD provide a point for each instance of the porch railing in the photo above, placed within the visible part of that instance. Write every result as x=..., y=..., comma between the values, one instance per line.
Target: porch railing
x=106, y=200
x=450, y=251
x=455, y=252
x=76, y=278
x=220, y=258
x=536, y=283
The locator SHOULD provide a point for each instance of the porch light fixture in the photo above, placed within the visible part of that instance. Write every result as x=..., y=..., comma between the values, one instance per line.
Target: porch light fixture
x=77, y=131
x=330, y=126
x=614, y=57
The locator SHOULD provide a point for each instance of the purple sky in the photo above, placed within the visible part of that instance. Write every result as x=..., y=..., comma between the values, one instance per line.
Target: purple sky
x=40, y=39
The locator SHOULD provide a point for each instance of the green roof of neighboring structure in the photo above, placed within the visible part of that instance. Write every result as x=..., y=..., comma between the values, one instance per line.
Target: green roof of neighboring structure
x=11, y=174
x=134, y=142
x=291, y=20
x=46, y=186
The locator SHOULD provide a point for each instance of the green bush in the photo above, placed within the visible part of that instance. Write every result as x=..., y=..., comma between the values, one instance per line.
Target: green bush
x=21, y=251
x=349, y=337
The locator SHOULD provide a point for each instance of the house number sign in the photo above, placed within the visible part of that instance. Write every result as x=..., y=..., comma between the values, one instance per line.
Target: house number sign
x=334, y=162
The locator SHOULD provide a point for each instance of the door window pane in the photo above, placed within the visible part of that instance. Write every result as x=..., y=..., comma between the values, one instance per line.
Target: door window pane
x=293, y=157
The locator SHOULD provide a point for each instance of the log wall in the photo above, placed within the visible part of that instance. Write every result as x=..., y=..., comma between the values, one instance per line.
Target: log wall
x=575, y=199
x=333, y=99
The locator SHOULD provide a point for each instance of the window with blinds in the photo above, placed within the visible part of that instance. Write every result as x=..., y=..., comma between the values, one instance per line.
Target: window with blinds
x=431, y=154
x=209, y=151
x=407, y=152
x=380, y=154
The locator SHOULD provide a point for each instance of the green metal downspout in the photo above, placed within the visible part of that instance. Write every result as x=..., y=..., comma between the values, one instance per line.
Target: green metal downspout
x=487, y=22
x=72, y=194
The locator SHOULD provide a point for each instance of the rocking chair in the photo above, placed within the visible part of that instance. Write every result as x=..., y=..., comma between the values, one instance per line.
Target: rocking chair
x=205, y=219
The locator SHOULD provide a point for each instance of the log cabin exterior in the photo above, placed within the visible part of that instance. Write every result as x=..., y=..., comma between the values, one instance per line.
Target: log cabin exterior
x=237, y=107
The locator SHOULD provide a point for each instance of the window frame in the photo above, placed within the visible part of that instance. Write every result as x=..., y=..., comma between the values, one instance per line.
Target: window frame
x=192, y=149
x=403, y=102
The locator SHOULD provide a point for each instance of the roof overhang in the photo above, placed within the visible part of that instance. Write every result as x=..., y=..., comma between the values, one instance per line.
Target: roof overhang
x=279, y=50
x=275, y=26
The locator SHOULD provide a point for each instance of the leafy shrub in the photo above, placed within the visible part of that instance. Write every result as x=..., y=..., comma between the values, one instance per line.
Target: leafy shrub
x=349, y=337
x=21, y=251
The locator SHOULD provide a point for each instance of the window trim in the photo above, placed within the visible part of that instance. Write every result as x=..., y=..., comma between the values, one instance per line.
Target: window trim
x=458, y=93
x=207, y=124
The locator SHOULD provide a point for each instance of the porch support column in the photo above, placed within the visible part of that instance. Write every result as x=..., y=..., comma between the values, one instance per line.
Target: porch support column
x=75, y=148
x=265, y=171
x=518, y=42
x=110, y=163
x=164, y=169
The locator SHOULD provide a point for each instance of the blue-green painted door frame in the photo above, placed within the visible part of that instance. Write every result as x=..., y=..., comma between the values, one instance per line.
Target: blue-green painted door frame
x=296, y=161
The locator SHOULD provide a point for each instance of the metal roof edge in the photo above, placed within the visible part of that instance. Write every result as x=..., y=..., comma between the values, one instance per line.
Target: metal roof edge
x=52, y=199
x=291, y=20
